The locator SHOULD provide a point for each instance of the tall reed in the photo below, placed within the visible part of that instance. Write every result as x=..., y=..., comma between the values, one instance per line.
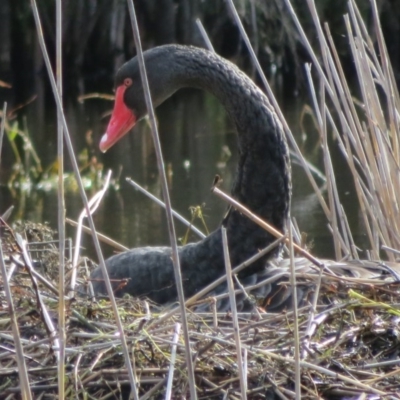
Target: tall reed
x=366, y=129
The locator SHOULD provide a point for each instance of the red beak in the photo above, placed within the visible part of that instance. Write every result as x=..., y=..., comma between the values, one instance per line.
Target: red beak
x=122, y=120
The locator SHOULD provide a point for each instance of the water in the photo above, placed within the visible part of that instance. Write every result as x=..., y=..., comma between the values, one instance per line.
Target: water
x=198, y=142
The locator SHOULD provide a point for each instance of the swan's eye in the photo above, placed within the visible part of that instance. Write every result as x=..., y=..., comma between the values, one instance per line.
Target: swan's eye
x=127, y=82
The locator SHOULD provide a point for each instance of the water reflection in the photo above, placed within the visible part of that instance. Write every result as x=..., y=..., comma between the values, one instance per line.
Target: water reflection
x=195, y=134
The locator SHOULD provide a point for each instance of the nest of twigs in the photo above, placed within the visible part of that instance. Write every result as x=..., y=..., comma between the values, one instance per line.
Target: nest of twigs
x=349, y=345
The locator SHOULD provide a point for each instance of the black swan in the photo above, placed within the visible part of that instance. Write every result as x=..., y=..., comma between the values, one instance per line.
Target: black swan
x=262, y=181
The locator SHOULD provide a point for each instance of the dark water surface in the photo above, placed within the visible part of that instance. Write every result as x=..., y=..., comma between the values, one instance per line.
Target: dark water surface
x=198, y=142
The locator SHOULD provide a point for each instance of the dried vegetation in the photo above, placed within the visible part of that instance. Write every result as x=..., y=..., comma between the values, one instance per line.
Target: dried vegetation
x=348, y=320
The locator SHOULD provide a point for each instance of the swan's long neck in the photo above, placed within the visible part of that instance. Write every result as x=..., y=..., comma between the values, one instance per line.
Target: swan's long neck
x=262, y=180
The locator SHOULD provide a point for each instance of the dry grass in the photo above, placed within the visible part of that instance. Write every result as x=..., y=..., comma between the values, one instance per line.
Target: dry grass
x=348, y=321
x=348, y=344
x=366, y=130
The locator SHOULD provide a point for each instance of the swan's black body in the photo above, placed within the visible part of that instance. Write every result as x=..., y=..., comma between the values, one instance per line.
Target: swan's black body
x=262, y=180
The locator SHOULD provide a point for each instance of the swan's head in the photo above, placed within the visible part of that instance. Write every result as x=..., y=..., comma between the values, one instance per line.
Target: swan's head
x=130, y=105
x=122, y=120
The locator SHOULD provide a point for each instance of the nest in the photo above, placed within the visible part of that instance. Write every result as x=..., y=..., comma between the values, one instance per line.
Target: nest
x=349, y=343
